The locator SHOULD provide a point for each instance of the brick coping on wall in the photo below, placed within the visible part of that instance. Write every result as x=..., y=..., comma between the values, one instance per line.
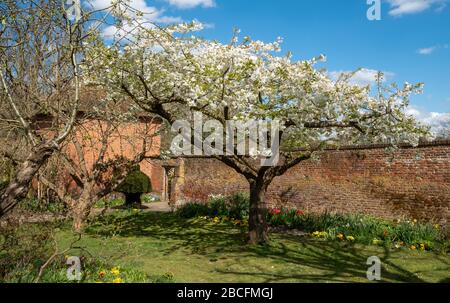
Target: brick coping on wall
x=423, y=144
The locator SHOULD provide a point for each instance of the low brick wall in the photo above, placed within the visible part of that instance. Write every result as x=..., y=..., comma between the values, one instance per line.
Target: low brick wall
x=409, y=183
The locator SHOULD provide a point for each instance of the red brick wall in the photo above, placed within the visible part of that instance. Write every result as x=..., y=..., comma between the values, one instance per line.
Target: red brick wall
x=125, y=141
x=409, y=183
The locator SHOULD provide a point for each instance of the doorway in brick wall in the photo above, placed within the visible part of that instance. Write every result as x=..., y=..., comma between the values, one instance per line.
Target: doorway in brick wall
x=168, y=182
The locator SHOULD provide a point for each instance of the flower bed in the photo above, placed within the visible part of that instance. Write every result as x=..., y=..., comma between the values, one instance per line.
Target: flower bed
x=361, y=229
x=349, y=228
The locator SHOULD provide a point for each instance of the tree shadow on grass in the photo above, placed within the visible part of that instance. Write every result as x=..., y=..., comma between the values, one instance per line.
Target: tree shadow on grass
x=331, y=262
x=306, y=259
x=194, y=236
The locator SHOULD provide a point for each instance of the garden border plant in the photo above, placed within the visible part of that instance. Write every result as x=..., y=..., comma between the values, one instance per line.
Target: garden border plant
x=356, y=228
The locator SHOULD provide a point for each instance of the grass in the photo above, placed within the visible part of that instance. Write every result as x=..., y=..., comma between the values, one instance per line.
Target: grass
x=102, y=203
x=198, y=250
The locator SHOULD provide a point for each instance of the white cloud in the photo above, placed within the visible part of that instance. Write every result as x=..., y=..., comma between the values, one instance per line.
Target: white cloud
x=151, y=15
x=185, y=4
x=426, y=50
x=439, y=122
x=363, y=77
x=403, y=7
x=431, y=49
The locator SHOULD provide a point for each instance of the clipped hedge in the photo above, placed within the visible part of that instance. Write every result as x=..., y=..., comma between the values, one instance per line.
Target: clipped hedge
x=135, y=183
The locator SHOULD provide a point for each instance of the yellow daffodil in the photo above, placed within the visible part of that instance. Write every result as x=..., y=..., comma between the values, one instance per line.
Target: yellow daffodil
x=117, y=280
x=422, y=246
x=320, y=234
x=413, y=247
x=376, y=242
x=340, y=236
x=115, y=271
x=350, y=238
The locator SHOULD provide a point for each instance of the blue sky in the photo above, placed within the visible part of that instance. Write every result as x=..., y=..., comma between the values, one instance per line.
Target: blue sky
x=410, y=43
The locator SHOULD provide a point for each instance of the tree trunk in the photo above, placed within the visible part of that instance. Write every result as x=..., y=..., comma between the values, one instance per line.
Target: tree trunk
x=257, y=225
x=80, y=216
x=19, y=185
x=82, y=208
x=132, y=199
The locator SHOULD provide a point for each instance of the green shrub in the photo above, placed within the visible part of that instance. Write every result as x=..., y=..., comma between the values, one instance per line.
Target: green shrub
x=134, y=185
x=218, y=206
x=43, y=206
x=23, y=249
x=239, y=206
x=236, y=207
x=193, y=210
x=136, y=182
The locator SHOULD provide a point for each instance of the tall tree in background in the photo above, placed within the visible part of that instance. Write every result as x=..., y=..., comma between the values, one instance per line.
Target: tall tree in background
x=41, y=45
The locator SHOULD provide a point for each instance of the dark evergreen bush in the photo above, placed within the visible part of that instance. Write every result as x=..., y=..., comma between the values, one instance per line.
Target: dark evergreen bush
x=134, y=185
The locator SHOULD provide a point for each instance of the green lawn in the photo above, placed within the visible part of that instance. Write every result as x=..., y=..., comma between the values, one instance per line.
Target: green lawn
x=201, y=251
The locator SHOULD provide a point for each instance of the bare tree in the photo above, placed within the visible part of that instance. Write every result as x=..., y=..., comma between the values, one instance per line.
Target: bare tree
x=98, y=155
x=41, y=47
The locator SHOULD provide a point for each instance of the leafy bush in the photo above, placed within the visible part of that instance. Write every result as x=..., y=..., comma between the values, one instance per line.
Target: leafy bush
x=23, y=250
x=193, y=210
x=236, y=207
x=134, y=185
x=136, y=182
x=239, y=206
x=43, y=206
x=218, y=206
